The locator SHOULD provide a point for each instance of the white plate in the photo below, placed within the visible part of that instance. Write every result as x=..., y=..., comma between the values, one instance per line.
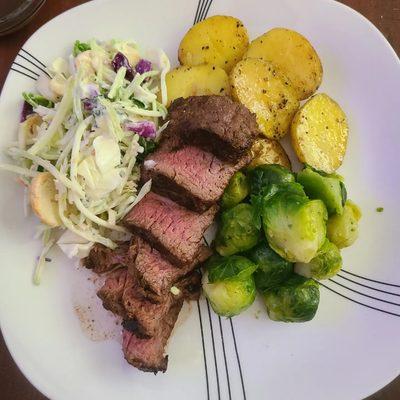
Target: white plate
x=347, y=352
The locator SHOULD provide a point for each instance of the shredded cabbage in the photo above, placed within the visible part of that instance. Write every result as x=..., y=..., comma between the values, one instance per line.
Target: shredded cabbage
x=83, y=136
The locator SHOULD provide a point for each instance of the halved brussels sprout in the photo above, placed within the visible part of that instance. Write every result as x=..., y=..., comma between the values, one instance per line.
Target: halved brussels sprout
x=342, y=230
x=328, y=188
x=230, y=297
x=272, y=269
x=227, y=268
x=324, y=265
x=296, y=300
x=237, y=190
x=238, y=230
x=265, y=175
x=293, y=187
x=295, y=227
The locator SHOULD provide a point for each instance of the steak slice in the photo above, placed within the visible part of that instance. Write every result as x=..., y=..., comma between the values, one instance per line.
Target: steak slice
x=170, y=228
x=147, y=313
x=144, y=311
x=123, y=295
x=190, y=176
x=215, y=123
x=112, y=290
x=155, y=272
x=103, y=259
x=147, y=354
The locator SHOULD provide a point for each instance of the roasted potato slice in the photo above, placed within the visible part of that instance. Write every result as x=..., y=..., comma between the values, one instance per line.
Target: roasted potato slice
x=266, y=151
x=294, y=55
x=43, y=199
x=319, y=133
x=266, y=92
x=28, y=128
x=196, y=81
x=219, y=40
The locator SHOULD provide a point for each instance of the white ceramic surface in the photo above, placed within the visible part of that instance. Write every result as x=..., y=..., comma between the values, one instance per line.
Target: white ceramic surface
x=346, y=352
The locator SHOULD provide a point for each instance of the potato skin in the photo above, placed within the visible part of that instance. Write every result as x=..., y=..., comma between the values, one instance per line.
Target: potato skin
x=198, y=80
x=319, y=133
x=219, y=40
x=266, y=151
x=267, y=93
x=294, y=55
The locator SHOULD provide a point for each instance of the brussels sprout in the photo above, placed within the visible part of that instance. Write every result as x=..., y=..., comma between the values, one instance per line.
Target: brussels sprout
x=328, y=188
x=237, y=190
x=265, y=175
x=324, y=265
x=238, y=230
x=268, y=191
x=342, y=230
x=231, y=297
x=295, y=227
x=273, y=188
x=227, y=268
x=272, y=269
x=296, y=300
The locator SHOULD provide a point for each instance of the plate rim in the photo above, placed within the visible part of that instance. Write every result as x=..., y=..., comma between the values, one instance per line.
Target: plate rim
x=35, y=380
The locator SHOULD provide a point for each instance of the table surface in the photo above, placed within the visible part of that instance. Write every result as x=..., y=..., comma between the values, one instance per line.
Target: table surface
x=385, y=14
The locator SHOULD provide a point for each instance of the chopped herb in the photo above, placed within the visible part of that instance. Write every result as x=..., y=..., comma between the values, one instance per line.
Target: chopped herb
x=80, y=47
x=36, y=100
x=379, y=209
x=148, y=145
x=137, y=102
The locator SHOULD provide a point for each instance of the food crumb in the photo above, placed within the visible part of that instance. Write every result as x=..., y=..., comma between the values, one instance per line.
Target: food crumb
x=379, y=209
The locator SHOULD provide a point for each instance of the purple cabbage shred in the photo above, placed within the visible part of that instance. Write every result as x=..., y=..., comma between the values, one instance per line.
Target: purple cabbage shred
x=27, y=109
x=119, y=61
x=143, y=66
x=145, y=129
x=89, y=104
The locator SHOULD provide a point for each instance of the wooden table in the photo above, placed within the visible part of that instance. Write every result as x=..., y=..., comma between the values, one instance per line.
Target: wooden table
x=385, y=14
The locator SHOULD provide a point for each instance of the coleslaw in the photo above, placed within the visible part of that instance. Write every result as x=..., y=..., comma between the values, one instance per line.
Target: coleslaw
x=95, y=116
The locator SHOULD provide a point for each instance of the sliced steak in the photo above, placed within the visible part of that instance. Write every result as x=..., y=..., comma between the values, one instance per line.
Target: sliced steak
x=155, y=272
x=123, y=295
x=169, y=227
x=190, y=176
x=215, y=123
x=112, y=291
x=147, y=313
x=103, y=259
x=147, y=354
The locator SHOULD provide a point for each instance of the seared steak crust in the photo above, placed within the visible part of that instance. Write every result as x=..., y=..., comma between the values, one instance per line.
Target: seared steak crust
x=103, y=259
x=215, y=123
